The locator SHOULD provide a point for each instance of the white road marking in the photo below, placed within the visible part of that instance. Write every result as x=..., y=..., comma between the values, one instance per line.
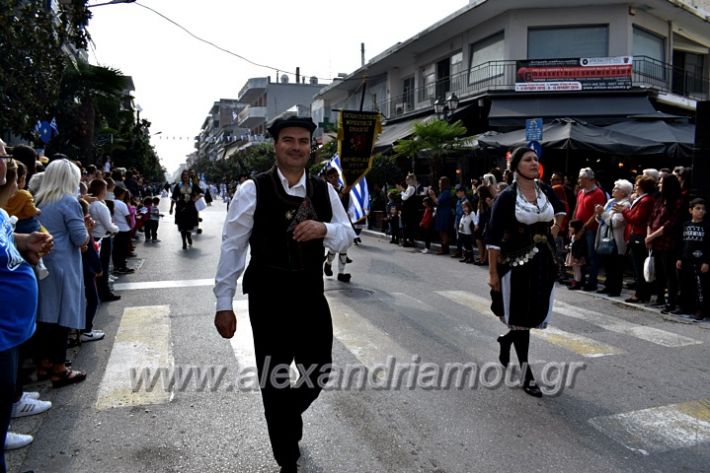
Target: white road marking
x=142, y=342
x=659, y=429
x=579, y=344
x=132, y=286
x=613, y=324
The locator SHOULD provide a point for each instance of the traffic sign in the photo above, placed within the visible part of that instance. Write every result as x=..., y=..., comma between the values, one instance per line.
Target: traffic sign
x=537, y=147
x=533, y=129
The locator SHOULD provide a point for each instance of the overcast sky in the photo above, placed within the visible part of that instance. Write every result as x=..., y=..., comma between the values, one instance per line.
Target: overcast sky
x=177, y=78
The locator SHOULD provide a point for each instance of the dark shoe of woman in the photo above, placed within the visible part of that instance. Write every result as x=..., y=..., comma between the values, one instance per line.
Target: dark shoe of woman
x=504, y=354
x=532, y=389
x=613, y=294
x=67, y=377
x=529, y=384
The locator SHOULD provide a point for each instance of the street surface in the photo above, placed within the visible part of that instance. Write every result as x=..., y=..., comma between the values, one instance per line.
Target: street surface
x=635, y=396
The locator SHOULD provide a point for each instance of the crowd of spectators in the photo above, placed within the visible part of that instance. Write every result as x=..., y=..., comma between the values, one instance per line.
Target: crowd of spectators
x=62, y=228
x=622, y=230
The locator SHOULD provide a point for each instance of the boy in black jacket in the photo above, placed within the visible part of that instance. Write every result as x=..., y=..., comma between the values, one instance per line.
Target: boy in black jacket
x=694, y=263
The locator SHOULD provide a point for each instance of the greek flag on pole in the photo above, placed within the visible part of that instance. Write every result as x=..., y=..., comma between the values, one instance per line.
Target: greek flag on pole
x=359, y=194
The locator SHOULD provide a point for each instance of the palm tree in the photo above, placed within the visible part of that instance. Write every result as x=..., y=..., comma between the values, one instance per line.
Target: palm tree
x=90, y=97
x=435, y=137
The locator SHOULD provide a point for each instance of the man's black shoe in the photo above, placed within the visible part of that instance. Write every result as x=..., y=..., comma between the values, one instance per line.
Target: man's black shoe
x=348, y=260
x=344, y=277
x=110, y=297
x=289, y=469
x=589, y=287
x=328, y=269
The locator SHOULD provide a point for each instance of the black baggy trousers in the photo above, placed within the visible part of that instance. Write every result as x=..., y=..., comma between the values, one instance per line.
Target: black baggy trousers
x=290, y=326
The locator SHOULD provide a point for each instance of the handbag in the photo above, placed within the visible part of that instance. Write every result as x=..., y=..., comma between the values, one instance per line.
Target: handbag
x=607, y=244
x=200, y=204
x=649, y=269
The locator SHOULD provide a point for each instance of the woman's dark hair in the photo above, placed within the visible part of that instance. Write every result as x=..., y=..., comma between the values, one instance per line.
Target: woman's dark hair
x=517, y=155
x=576, y=225
x=96, y=186
x=27, y=156
x=445, y=182
x=646, y=184
x=484, y=193
x=670, y=188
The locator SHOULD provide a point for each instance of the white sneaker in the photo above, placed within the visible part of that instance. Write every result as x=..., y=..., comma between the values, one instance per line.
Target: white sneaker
x=30, y=395
x=14, y=441
x=425, y=251
x=92, y=336
x=29, y=407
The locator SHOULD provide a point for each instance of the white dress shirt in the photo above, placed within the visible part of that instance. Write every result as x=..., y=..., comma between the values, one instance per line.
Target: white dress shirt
x=237, y=229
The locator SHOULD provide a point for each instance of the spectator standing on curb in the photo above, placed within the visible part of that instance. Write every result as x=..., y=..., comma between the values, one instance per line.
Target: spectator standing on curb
x=637, y=217
x=588, y=197
x=694, y=263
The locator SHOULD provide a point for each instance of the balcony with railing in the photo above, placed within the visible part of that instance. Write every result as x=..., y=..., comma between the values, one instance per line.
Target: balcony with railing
x=251, y=117
x=495, y=76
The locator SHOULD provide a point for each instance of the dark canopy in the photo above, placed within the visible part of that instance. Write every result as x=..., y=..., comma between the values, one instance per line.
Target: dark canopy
x=678, y=138
x=570, y=134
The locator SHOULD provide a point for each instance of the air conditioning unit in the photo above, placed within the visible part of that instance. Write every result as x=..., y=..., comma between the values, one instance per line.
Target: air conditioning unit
x=401, y=108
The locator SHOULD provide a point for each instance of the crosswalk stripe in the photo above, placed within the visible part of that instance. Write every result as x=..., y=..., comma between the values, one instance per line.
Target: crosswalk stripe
x=143, y=337
x=132, y=286
x=613, y=324
x=659, y=429
x=578, y=344
x=369, y=344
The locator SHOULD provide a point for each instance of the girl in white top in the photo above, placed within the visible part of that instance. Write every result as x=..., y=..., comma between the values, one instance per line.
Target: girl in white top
x=466, y=233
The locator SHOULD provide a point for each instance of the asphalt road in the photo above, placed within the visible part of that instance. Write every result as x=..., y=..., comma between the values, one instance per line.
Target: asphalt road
x=639, y=400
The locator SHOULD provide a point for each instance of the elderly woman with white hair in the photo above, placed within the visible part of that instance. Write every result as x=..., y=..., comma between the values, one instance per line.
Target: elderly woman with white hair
x=61, y=301
x=610, y=243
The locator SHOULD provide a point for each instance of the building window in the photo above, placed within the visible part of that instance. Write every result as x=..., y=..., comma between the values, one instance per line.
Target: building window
x=408, y=92
x=649, y=52
x=568, y=42
x=428, y=76
x=486, y=57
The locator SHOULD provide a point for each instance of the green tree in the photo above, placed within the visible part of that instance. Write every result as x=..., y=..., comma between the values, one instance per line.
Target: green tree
x=32, y=59
x=435, y=137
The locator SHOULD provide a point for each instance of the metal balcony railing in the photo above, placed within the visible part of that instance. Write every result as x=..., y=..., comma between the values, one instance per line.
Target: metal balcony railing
x=500, y=76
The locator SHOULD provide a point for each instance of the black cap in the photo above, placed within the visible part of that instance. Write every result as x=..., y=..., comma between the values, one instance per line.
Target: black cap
x=299, y=122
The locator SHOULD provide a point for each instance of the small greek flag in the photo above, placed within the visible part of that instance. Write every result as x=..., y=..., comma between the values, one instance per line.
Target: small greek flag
x=359, y=194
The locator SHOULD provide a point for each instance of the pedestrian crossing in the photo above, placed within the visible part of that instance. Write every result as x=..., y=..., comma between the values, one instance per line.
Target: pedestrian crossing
x=581, y=345
x=646, y=431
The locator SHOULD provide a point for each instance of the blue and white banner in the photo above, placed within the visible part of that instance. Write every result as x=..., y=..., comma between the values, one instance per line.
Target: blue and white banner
x=359, y=193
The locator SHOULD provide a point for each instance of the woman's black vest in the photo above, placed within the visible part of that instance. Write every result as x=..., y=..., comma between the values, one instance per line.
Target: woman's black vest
x=276, y=258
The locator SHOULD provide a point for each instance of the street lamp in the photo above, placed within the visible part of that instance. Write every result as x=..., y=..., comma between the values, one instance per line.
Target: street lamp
x=446, y=108
x=112, y=2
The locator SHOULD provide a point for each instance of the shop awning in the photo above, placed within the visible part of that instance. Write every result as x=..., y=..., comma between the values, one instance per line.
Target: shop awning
x=512, y=111
x=398, y=131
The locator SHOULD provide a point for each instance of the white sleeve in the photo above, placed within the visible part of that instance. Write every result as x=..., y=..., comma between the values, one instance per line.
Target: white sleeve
x=104, y=216
x=408, y=192
x=235, y=238
x=339, y=234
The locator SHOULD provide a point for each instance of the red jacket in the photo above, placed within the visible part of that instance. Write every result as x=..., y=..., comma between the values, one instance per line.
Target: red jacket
x=638, y=215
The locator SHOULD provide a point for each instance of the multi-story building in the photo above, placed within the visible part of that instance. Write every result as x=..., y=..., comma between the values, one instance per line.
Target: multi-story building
x=264, y=100
x=220, y=129
x=478, y=52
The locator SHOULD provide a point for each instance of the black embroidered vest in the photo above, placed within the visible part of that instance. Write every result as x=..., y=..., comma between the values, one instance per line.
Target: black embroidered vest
x=276, y=258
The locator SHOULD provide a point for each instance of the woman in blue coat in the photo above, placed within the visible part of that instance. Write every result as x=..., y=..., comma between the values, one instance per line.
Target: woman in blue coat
x=443, y=220
x=61, y=294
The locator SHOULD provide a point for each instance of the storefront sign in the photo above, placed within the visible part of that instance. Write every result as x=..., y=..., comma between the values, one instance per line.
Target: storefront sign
x=357, y=132
x=557, y=75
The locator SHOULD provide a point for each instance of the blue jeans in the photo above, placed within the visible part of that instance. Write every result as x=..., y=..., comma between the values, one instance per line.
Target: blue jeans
x=9, y=360
x=591, y=269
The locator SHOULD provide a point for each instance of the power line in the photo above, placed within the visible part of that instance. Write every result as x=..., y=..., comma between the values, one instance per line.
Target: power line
x=225, y=50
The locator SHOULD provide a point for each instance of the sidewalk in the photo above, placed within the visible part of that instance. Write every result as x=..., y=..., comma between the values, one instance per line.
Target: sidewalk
x=616, y=300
